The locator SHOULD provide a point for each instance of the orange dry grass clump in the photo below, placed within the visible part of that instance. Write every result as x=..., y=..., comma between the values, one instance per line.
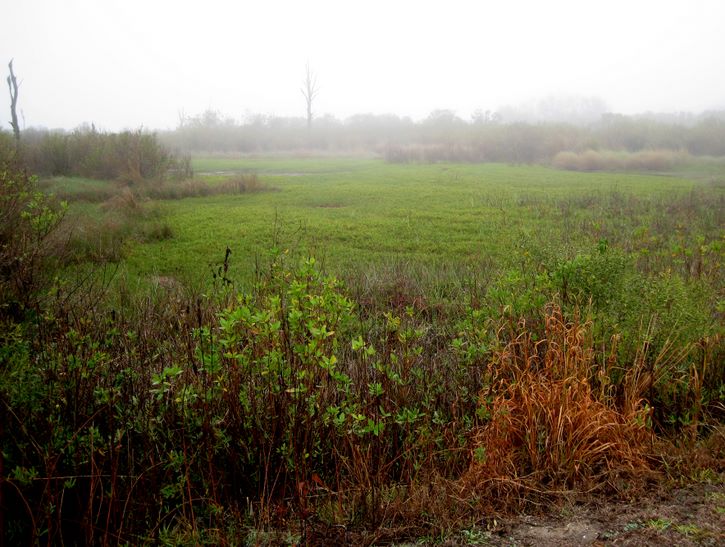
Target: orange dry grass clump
x=554, y=421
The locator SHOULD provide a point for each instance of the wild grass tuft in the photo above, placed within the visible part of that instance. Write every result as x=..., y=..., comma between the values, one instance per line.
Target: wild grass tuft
x=554, y=423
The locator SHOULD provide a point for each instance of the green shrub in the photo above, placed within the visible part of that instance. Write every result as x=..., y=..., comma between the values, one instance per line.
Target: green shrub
x=27, y=220
x=7, y=147
x=597, y=278
x=130, y=156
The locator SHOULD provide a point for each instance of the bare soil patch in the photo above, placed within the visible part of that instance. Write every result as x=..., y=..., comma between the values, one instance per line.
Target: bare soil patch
x=688, y=515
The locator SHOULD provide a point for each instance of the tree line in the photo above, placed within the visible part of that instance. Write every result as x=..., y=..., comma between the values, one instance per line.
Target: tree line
x=443, y=136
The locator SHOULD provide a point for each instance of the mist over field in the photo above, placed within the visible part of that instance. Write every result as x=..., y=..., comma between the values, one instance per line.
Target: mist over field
x=520, y=82
x=131, y=64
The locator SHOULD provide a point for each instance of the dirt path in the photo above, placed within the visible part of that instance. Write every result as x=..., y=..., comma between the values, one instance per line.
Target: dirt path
x=691, y=515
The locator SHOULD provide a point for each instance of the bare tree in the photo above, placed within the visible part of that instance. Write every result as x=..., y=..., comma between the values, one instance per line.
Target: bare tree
x=309, y=91
x=13, y=87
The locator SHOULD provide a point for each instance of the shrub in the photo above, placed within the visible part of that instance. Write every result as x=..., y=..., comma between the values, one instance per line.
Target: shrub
x=126, y=202
x=27, y=220
x=129, y=156
x=595, y=278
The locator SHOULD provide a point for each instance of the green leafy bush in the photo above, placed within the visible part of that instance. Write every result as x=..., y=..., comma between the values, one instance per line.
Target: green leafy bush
x=128, y=156
x=27, y=219
x=597, y=278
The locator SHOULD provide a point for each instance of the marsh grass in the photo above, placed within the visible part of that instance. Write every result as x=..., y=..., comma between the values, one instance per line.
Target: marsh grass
x=446, y=218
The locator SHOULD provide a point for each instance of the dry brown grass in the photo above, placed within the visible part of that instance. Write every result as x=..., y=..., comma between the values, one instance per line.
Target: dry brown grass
x=552, y=430
x=688, y=459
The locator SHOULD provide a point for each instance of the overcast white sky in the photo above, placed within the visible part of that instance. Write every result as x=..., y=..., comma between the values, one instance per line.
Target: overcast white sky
x=122, y=64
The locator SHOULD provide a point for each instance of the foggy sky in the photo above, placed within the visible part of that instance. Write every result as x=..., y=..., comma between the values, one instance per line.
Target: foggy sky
x=123, y=64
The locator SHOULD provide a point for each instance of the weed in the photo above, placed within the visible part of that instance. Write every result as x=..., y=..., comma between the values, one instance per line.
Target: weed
x=688, y=529
x=659, y=524
x=475, y=536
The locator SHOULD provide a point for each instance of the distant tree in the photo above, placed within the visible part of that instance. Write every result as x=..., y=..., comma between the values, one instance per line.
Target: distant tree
x=309, y=91
x=13, y=87
x=210, y=118
x=443, y=118
x=479, y=117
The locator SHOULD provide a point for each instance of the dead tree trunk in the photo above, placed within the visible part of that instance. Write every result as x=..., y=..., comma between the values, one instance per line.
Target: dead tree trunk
x=309, y=91
x=13, y=87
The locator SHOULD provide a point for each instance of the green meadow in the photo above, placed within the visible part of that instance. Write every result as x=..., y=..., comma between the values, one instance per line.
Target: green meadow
x=352, y=214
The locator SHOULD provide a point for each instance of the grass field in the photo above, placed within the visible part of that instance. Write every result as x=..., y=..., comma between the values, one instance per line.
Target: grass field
x=356, y=213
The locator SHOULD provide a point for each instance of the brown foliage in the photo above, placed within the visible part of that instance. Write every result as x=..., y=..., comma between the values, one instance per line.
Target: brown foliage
x=551, y=428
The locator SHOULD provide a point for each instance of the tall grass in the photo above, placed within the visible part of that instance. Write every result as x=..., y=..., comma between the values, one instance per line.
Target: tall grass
x=129, y=213
x=237, y=184
x=92, y=191
x=557, y=420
